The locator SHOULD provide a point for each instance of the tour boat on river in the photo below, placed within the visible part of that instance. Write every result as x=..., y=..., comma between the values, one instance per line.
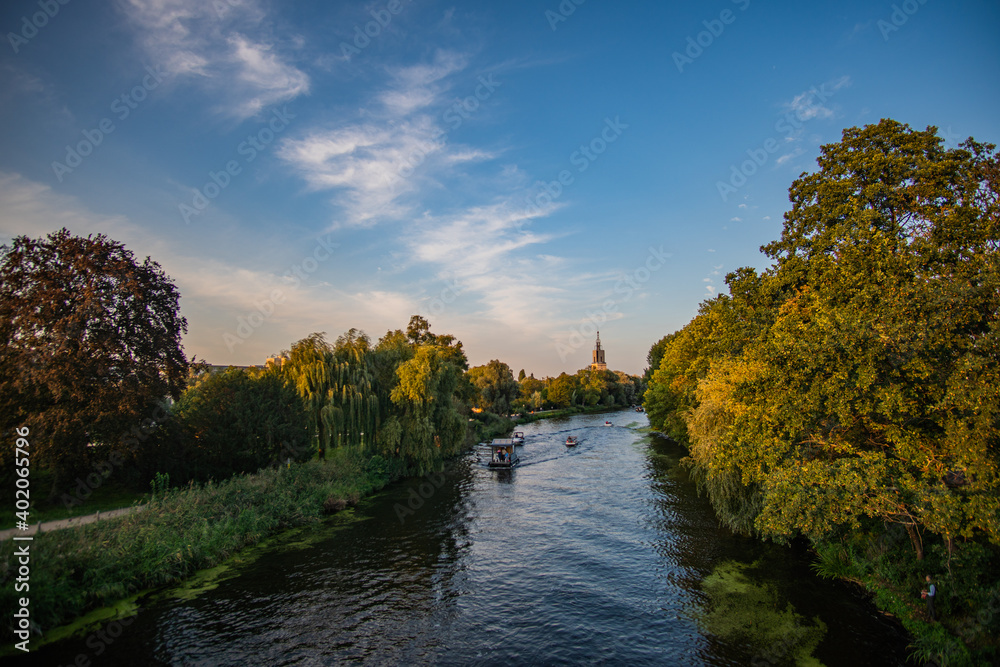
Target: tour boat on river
x=502, y=453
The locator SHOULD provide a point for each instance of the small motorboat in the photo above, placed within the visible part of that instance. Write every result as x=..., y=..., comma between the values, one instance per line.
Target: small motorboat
x=571, y=441
x=608, y=424
x=518, y=437
x=502, y=453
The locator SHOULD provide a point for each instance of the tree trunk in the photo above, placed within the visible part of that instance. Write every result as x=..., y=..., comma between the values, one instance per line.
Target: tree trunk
x=915, y=540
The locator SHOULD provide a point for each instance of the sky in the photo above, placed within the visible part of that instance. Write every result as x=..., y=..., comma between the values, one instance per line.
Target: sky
x=520, y=174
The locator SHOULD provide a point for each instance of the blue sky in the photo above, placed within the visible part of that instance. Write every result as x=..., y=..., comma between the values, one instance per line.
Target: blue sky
x=516, y=172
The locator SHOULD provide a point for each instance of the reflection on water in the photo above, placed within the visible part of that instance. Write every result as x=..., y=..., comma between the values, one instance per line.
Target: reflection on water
x=597, y=553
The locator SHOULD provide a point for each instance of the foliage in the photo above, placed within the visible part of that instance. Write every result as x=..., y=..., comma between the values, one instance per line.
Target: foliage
x=237, y=421
x=496, y=386
x=854, y=386
x=90, y=343
x=401, y=398
x=185, y=530
x=747, y=612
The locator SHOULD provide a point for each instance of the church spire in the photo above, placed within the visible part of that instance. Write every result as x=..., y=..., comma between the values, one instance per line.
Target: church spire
x=599, y=363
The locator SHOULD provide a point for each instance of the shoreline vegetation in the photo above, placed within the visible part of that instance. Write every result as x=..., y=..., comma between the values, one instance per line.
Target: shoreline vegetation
x=236, y=454
x=849, y=394
x=187, y=530
x=91, y=570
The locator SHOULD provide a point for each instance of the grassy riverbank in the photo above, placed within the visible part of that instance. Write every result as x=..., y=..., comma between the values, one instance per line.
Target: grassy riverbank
x=182, y=531
x=107, y=497
x=76, y=570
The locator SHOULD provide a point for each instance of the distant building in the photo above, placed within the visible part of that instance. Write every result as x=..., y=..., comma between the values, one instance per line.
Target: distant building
x=599, y=364
x=278, y=362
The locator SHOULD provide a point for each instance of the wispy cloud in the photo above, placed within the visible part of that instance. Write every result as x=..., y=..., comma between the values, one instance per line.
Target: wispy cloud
x=811, y=103
x=216, y=290
x=371, y=161
x=487, y=250
x=225, y=47
x=789, y=156
x=363, y=162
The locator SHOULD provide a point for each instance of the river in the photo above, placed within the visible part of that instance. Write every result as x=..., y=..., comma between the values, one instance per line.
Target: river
x=598, y=554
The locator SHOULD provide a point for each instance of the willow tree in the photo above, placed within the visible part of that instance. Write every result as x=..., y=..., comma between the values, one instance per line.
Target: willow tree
x=308, y=367
x=352, y=409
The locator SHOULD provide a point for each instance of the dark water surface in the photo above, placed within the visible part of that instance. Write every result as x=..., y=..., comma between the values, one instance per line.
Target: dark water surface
x=591, y=555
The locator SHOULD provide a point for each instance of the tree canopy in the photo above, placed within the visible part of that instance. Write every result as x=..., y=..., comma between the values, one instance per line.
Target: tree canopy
x=853, y=386
x=90, y=343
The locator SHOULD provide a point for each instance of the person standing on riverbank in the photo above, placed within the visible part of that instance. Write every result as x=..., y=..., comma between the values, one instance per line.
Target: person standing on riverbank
x=928, y=594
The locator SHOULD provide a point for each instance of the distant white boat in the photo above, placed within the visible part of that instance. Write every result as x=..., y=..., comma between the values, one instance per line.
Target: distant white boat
x=608, y=424
x=518, y=438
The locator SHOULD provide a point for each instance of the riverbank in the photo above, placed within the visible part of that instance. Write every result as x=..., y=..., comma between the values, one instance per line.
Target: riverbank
x=412, y=587
x=189, y=529
x=48, y=526
x=566, y=412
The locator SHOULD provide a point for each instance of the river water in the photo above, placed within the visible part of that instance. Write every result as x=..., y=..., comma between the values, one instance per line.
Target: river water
x=599, y=554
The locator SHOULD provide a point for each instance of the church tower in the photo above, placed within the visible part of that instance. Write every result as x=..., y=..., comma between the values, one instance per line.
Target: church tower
x=598, y=364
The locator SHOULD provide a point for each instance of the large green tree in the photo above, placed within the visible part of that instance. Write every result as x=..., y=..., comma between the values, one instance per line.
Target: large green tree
x=853, y=381
x=497, y=387
x=90, y=346
x=239, y=421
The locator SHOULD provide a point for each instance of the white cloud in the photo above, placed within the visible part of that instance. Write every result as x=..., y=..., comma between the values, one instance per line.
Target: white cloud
x=365, y=162
x=215, y=291
x=789, y=156
x=485, y=250
x=375, y=164
x=225, y=48
x=811, y=104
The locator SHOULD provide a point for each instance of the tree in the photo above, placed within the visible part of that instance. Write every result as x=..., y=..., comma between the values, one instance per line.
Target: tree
x=497, y=387
x=419, y=331
x=427, y=424
x=563, y=390
x=308, y=369
x=90, y=345
x=240, y=421
x=889, y=264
